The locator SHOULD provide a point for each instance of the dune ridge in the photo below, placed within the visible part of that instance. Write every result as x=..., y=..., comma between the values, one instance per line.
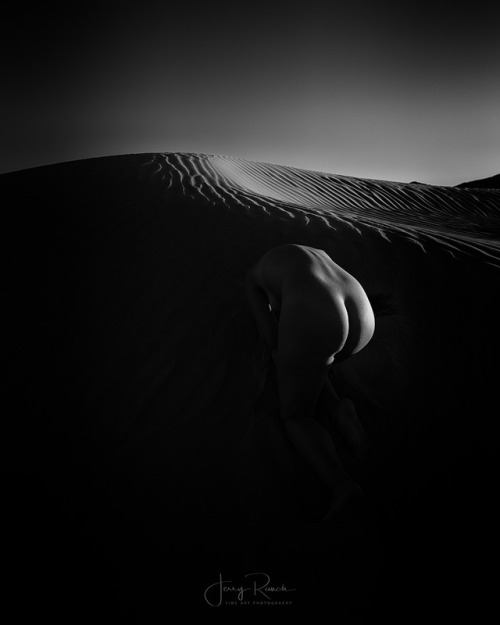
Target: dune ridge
x=461, y=219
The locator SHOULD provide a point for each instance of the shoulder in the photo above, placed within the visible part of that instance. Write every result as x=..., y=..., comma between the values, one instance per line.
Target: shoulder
x=283, y=259
x=280, y=264
x=288, y=250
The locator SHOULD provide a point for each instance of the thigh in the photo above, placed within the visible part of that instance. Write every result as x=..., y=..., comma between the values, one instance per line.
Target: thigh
x=305, y=352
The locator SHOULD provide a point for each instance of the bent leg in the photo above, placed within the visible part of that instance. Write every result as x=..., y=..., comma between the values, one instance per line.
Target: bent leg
x=305, y=353
x=316, y=447
x=341, y=414
x=302, y=366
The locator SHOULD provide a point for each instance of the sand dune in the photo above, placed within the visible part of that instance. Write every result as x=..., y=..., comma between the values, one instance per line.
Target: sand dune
x=492, y=182
x=141, y=405
x=459, y=220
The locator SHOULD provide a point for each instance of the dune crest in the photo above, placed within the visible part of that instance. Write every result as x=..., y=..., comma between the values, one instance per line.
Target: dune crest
x=460, y=219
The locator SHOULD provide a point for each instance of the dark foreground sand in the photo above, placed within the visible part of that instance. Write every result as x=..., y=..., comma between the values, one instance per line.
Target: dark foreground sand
x=142, y=453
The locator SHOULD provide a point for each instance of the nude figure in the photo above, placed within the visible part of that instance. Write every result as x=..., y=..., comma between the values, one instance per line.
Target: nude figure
x=312, y=313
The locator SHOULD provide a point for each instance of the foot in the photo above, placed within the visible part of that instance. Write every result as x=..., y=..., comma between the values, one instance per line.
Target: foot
x=346, y=502
x=352, y=429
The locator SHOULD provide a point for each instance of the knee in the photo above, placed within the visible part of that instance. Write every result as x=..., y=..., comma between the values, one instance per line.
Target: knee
x=347, y=403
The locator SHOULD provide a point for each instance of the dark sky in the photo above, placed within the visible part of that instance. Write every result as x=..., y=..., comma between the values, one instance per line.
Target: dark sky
x=406, y=91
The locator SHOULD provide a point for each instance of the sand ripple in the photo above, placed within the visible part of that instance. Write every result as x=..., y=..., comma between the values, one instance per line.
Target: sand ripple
x=460, y=219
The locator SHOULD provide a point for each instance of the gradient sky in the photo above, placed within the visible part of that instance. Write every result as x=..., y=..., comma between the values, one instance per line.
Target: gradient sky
x=404, y=91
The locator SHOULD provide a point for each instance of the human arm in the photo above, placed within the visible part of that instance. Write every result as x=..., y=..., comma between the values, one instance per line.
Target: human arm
x=267, y=323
